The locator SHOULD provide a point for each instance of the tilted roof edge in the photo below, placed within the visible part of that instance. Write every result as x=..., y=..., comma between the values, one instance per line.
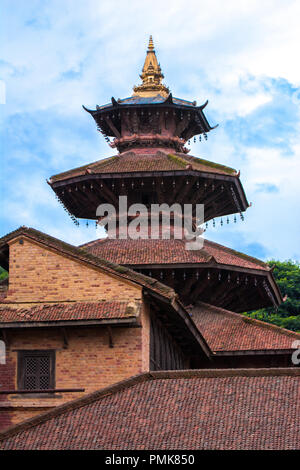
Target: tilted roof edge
x=239, y=254
x=127, y=383
x=252, y=321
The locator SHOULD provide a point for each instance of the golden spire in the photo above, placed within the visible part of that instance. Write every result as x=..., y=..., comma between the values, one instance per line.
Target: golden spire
x=151, y=76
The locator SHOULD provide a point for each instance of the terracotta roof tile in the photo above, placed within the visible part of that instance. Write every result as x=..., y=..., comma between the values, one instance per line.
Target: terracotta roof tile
x=131, y=252
x=137, y=162
x=69, y=311
x=229, y=331
x=205, y=409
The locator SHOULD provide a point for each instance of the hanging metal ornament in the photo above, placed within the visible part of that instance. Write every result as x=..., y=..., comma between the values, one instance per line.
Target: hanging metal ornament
x=227, y=220
x=194, y=139
x=199, y=138
x=221, y=222
x=214, y=223
x=234, y=219
x=87, y=223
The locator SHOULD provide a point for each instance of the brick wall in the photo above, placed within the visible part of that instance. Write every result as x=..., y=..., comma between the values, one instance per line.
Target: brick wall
x=88, y=362
x=38, y=274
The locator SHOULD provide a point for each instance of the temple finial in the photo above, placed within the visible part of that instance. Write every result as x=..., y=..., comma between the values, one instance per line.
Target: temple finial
x=150, y=45
x=151, y=76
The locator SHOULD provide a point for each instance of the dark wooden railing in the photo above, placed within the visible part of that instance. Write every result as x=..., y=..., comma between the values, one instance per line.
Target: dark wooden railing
x=56, y=390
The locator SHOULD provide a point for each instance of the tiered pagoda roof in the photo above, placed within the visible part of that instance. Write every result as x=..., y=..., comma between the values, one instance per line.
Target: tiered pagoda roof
x=155, y=176
x=150, y=130
x=215, y=274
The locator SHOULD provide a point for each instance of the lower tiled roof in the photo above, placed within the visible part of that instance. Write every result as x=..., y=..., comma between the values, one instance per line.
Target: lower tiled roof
x=131, y=252
x=205, y=409
x=229, y=331
x=69, y=311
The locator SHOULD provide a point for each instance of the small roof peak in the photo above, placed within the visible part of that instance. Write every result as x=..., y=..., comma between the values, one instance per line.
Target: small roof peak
x=150, y=45
x=151, y=76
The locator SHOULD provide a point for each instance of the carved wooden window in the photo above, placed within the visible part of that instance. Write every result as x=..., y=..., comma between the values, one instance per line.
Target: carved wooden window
x=36, y=370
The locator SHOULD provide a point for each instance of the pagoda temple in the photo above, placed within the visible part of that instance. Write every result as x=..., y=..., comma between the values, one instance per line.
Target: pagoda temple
x=140, y=340
x=150, y=130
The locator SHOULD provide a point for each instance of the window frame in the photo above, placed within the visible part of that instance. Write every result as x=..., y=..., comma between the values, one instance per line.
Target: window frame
x=22, y=354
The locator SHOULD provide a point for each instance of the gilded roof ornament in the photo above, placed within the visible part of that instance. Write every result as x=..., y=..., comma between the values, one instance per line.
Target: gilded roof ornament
x=151, y=76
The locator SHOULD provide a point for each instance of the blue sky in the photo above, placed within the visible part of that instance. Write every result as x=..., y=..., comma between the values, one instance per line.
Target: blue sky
x=241, y=55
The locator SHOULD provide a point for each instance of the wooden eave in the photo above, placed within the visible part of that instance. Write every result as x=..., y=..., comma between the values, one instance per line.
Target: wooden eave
x=181, y=325
x=130, y=321
x=254, y=352
x=198, y=120
x=237, y=297
x=224, y=207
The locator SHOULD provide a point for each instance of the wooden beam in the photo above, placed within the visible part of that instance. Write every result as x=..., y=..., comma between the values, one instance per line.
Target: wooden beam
x=187, y=286
x=186, y=189
x=110, y=337
x=112, y=127
x=65, y=338
x=182, y=125
x=110, y=196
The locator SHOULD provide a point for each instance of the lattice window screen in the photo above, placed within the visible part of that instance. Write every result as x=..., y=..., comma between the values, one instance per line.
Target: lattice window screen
x=36, y=370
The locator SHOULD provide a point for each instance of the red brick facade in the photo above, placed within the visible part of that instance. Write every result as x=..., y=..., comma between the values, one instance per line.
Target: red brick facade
x=40, y=276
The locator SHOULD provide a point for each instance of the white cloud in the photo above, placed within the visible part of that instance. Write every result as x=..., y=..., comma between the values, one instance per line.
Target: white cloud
x=59, y=55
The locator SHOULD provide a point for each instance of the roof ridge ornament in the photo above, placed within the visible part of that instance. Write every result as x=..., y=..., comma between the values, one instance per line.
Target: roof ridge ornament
x=151, y=76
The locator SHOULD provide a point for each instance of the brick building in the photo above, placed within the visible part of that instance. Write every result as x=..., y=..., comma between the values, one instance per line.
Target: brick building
x=141, y=318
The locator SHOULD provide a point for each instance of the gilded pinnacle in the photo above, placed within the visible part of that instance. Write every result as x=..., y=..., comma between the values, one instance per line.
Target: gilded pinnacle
x=151, y=76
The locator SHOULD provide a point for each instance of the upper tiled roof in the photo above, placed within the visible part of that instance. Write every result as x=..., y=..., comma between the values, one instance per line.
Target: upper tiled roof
x=157, y=99
x=137, y=162
x=228, y=331
x=138, y=252
x=205, y=409
x=68, y=312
